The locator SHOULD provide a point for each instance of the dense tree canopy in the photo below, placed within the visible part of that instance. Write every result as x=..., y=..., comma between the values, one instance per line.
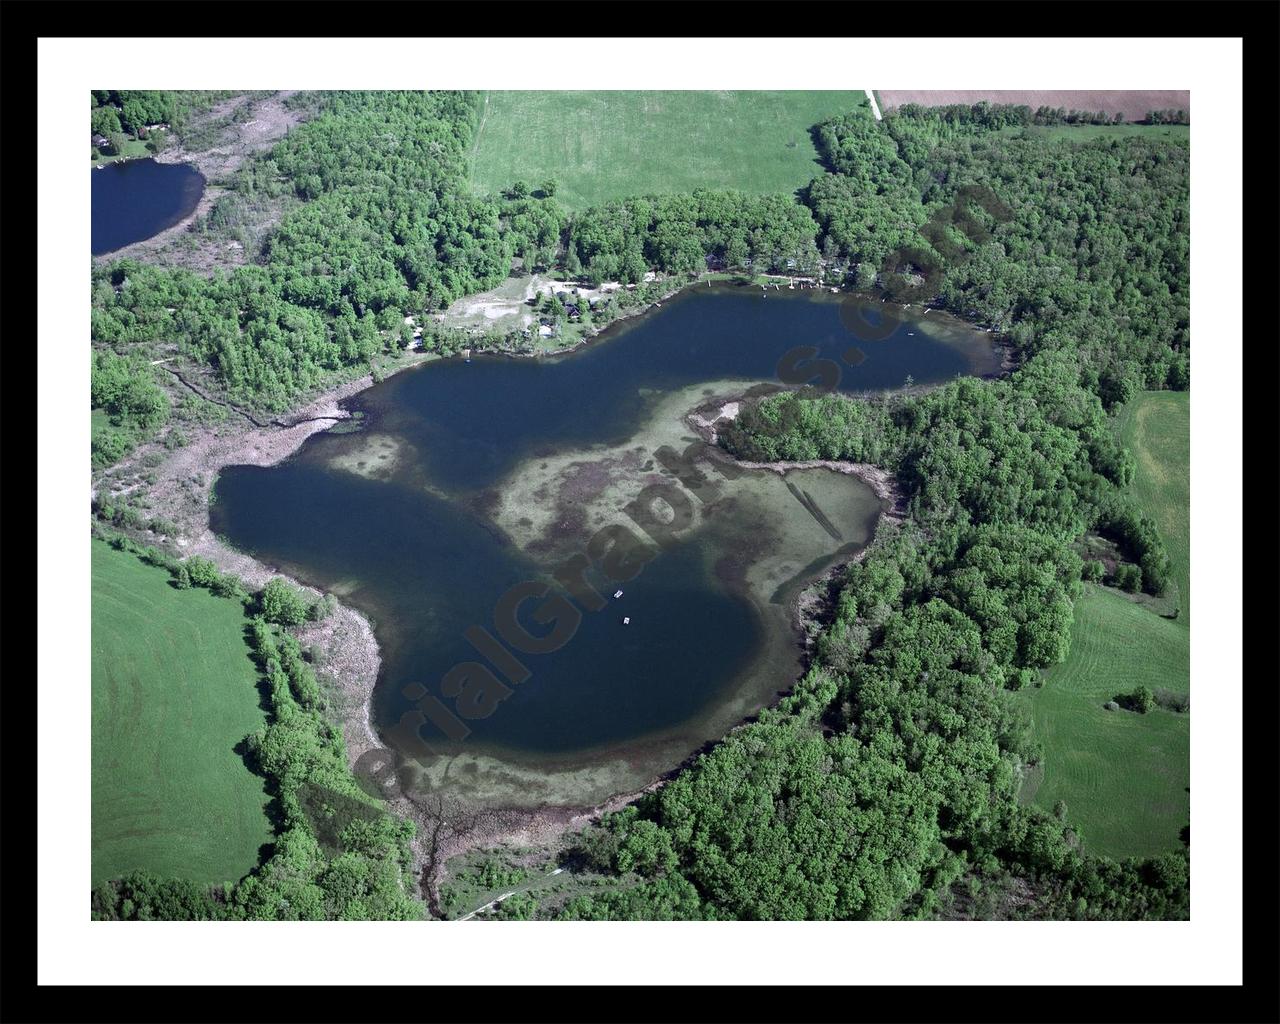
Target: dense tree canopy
x=676, y=233
x=386, y=228
x=886, y=783
x=892, y=771
x=1089, y=252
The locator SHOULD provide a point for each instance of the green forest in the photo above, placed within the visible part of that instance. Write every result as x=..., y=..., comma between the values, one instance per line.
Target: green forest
x=885, y=785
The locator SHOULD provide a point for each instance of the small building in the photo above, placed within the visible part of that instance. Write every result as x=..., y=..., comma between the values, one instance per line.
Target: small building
x=100, y=141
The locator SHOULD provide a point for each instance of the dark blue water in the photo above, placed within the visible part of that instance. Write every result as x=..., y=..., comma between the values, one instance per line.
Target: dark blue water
x=474, y=421
x=426, y=566
x=135, y=199
x=433, y=570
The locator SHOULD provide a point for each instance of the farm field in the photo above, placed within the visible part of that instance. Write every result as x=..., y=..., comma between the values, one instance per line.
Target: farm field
x=1134, y=104
x=1124, y=776
x=1156, y=427
x=174, y=693
x=606, y=145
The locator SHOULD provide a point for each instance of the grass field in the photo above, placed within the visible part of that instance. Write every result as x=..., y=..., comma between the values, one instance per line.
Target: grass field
x=606, y=145
x=99, y=421
x=133, y=150
x=1156, y=427
x=1124, y=776
x=174, y=692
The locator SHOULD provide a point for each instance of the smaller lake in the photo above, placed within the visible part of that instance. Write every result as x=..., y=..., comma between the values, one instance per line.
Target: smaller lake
x=135, y=199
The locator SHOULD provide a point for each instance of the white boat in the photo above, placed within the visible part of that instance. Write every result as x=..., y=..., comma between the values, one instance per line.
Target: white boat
x=617, y=593
x=626, y=620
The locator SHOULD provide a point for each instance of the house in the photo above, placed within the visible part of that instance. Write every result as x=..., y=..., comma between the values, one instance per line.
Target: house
x=100, y=141
x=573, y=310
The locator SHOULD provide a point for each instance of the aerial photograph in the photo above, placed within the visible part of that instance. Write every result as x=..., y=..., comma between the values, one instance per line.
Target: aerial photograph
x=662, y=505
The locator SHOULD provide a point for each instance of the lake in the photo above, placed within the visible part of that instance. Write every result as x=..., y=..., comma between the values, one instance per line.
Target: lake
x=135, y=199
x=466, y=480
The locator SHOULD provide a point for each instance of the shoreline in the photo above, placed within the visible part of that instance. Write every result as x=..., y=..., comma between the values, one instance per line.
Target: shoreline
x=445, y=827
x=880, y=480
x=216, y=164
x=593, y=336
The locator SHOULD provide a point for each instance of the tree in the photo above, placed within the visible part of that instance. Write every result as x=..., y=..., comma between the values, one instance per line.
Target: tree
x=282, y=604
x=1143, y=700
x=322, y=608
x=133, y=116
x=104, y=121
x=549, y=187
x=201, y=571
x=519, y=189
x=1128, y=577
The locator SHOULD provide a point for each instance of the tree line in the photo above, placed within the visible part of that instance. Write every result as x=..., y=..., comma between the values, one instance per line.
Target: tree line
x=886, y=784
x=338, y=854
x=1092, y=257
x=382, y=226
x=122, y=114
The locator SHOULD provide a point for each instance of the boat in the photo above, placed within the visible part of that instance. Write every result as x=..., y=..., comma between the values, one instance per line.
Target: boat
x=617, y=593
x=626, y=620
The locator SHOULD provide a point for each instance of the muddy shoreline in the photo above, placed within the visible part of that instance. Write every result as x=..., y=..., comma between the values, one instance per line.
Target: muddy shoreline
x=349, y=657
